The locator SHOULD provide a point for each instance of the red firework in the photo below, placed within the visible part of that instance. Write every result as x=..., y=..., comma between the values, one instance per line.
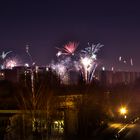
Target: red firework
x=68, y=49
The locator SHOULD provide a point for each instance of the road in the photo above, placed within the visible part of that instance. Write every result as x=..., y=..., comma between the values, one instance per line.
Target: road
x=132, y=133
x=121, y=131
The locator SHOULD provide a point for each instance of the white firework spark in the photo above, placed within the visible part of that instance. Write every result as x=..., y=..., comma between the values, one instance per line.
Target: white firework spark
x=88, y=61
x=92, y=50
x=4, y=54
x=103, y=68
x=131, y=62
x=112, y=69
x=88, y=66
x=120, y=58
x=3, y=57
x=59, y=53
x=26, y=65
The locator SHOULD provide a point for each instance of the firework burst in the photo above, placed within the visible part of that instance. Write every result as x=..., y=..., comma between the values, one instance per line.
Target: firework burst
x=87, y=67
x=68, y=49
x=4, y=54
x=88, y=61
x=92, y=50
x=11, y=63
x=3, y=57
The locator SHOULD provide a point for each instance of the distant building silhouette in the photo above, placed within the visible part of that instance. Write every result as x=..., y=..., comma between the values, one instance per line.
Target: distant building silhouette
x=105, y=77
x=112, y=78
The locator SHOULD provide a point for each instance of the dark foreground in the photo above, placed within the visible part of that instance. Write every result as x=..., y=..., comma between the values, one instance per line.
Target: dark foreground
x=114, y=131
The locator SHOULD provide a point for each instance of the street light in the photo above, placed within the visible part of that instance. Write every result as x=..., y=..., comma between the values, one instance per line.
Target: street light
x=123, y=111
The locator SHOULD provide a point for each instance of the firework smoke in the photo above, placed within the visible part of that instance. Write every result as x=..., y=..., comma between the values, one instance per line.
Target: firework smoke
x=60, y=70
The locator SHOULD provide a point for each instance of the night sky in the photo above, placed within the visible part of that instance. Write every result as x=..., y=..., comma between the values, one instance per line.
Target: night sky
x=50, y=24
